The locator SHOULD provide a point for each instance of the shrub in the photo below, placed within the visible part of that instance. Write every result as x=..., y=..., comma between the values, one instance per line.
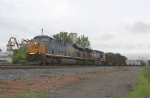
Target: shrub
x=19, y=56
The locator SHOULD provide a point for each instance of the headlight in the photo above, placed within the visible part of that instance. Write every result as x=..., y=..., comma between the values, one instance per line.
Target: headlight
x=35, y=43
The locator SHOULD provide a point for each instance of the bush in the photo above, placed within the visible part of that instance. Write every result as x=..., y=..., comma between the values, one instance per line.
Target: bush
x=19, y=56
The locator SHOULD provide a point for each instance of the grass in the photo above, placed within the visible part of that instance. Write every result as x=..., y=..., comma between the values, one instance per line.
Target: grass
x=32, y=94
x=4, y=96
x=141, y=89
x=26, y=95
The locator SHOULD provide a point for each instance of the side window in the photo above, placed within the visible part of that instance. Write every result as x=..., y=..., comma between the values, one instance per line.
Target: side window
x=57, y=42
x=61, y=42
x=64, y=44
x=101, y=55
x=50, y=40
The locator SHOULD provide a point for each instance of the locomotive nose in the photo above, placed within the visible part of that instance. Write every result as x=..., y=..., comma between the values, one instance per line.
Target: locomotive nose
x=36, y=47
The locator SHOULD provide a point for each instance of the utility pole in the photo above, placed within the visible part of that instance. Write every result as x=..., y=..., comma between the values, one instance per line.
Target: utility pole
x=42, y=31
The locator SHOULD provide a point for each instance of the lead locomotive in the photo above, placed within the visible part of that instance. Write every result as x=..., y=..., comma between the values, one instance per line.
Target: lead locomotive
x=47, y=50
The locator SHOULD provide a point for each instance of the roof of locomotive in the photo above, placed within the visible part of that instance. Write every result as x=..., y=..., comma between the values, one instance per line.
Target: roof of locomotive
x=41, y=36
x=100, y=51
x=81, y=48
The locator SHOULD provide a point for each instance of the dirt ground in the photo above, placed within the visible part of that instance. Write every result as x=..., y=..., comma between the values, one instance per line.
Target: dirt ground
x=104, y=84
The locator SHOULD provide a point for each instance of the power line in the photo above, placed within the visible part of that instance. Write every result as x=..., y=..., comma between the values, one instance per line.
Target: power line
x=12, y=25
x=19, y=18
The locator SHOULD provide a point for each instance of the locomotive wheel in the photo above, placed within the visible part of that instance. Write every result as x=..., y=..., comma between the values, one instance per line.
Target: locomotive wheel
x=103, y=64
x=82, y=62
x=76, y=62
x=48, y=61
x=53, y=61
x=58, y=60
x=93, y=62
x=86, y=62
x=79, y=62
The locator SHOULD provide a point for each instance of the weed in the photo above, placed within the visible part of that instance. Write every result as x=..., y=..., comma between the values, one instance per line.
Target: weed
x=5, y=96
x=32, y=94
x=18, y=77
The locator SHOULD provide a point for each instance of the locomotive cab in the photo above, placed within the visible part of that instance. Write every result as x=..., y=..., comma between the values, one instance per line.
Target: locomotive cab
x=38, y=44
x=102, y=58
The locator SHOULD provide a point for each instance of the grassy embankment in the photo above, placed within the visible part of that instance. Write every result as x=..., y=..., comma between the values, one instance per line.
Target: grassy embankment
x=141, y=89
x=25, y=95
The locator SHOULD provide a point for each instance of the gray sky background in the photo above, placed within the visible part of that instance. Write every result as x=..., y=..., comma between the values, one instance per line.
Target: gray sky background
x=112, y=25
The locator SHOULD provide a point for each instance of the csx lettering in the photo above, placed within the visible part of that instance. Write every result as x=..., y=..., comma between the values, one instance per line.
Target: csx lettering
x=35, y=47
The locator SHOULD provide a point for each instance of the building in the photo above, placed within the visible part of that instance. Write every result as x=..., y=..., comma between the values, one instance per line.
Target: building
x=5, y=57
x=73, y=36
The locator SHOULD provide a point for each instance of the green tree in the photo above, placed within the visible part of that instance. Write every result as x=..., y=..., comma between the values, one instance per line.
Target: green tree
x=118, y=55
x=83, y=41
x=19, y=56
x=63, y=35
x=110, y=54
x=149, y=62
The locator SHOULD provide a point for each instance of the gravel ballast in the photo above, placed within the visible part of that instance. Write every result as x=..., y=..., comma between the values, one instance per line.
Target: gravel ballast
x=114, y=85
x=11, y=74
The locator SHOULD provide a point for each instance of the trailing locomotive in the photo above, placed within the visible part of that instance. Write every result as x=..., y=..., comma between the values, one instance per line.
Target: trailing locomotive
x=49, y=51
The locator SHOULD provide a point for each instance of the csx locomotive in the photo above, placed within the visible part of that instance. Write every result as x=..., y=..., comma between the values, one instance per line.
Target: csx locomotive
x=47, y=50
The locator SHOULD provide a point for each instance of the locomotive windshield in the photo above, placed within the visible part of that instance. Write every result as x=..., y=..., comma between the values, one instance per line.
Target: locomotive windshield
x=102, y=54
x=44, y=39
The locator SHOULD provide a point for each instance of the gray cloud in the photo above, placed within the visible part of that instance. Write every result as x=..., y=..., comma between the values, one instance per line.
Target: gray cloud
x=130, y=47
x=107, y=37
x=136, y=56
x=138, y=27
x=93, y=19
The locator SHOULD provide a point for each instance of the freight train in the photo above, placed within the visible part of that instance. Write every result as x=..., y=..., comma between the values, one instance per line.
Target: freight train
x=45, y=50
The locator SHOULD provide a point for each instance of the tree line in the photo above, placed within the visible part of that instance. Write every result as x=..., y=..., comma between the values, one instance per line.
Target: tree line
x=81, y=40
x=118, y=55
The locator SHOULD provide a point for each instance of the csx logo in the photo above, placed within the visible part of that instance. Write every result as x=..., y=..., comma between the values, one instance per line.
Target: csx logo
x=35, y=47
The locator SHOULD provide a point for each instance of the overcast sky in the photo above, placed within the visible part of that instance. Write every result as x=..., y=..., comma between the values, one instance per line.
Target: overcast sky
x=121, y=26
